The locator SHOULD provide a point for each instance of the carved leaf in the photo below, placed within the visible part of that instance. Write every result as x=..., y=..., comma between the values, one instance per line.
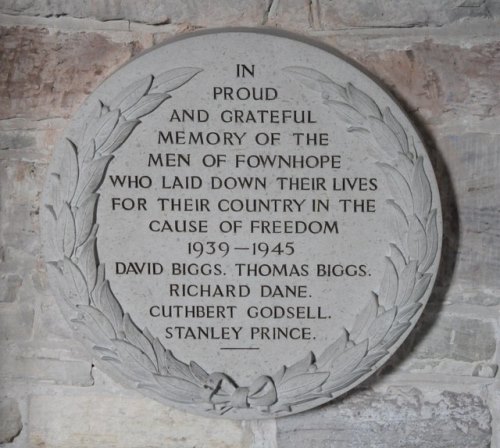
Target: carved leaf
x=405, y=166
x=421, y=286
x=77, y=286
x=407, y=282
x=105, y=125
x=394, y=334
x=52, y=252
x=176, y=367
x=66, y=232
x=413, y=149
x=397, y=257
x=57, y=278
x=135, y=337
x=101, y=274
x=406, y=312
x=161, y=359
x=124, y=364
x=431, y=231
x=389, y=286
x=198, y=372
x=131, y=94
x=87, y=262
x=88, y=152
x=396, y=127
x=91, y=127
x=69, y=171
x=148, y=336
x=278, y=376
x=118, y=136
x=362, y=102
x=333, y=91
x=130, y=354
x=146, y=105
x=349, y=360
x=364, y=319
x=97, y=321
x=299, y=367
x=318, y=81
x=398, y=186
x=173, y=79
x=301, y=385
x=400, y=222
x=379, y=328
x=92, y=333
x=422, y=188
x=106, y=301
x=91, y=179
x=371, y=359
x=55, y=193
x=84, y=218
x=385, y=138
x=347, y=113
x=345, y=380
x=332, y=351
x=417, y=240
x=180, y=389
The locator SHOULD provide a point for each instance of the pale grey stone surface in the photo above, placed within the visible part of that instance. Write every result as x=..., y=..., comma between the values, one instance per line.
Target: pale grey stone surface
x=404, y=418
x=54, y=371
x=447, y=75
x=10, y=420
x=117, y=421
x=9, y=286
x=16, y=324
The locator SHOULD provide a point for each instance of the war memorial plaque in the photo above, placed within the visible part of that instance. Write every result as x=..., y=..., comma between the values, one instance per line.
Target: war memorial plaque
x=241, y=224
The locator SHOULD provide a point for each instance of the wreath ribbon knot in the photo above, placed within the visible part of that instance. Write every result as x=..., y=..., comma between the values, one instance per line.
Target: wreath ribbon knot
x=261, y=394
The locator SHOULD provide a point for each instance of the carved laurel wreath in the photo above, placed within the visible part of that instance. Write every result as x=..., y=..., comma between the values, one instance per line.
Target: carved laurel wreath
x=95, y=313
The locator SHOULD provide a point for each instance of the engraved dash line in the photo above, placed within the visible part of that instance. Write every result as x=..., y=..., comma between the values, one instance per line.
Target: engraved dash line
x=239, y=348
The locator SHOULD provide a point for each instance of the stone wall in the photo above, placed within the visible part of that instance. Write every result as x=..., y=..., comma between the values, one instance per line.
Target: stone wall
x=441, y=58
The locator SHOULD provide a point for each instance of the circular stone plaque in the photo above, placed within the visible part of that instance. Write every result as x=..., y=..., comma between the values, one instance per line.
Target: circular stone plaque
x=241, y=224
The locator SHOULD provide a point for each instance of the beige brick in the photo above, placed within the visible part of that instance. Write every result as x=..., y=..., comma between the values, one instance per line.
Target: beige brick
x=442, y=82
x=48, y=74
x=197, y=12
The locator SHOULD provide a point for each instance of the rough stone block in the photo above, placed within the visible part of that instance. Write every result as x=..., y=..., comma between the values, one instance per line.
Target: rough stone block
x=119, y=422
x=401, y=14
x=443, y=82
x=197, y=12
x=10, y=420
x=16, y=324
x=21, y=183
x=9, y=286
x=473, y=161
x=48, y=74
x=443, y=343
x=455, y=337
x=40, y=367
x=397, y=418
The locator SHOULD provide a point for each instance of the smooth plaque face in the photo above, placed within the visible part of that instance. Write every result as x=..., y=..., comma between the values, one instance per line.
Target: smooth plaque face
x=241, y=224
